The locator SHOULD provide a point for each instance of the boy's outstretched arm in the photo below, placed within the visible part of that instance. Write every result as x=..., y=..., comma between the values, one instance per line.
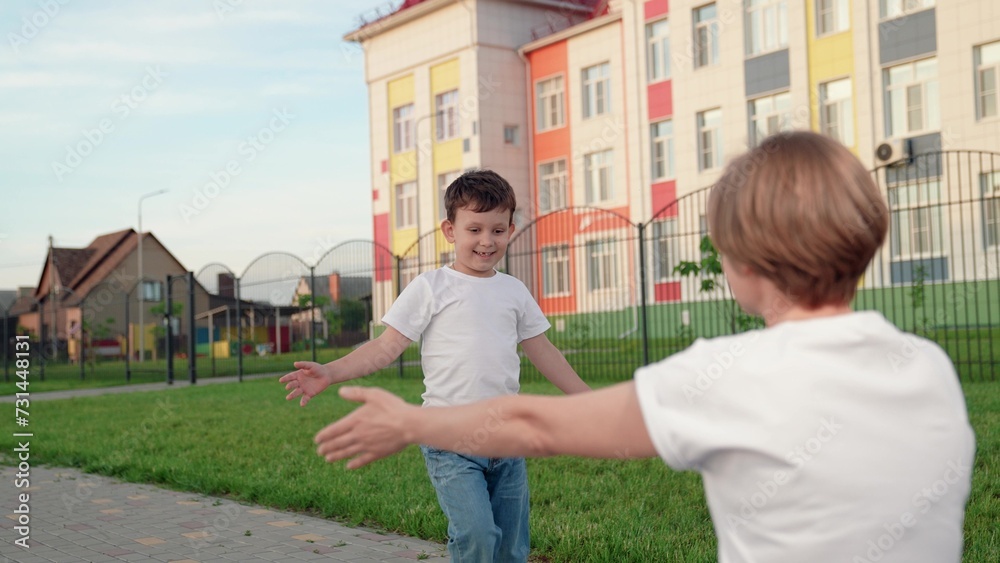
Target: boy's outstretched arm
x=552, y=364
x=603, y=424
x=311, y=378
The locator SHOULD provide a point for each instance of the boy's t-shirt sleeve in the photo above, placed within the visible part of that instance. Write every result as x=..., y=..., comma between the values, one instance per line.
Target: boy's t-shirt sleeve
x=411, y=312
x=530, y=320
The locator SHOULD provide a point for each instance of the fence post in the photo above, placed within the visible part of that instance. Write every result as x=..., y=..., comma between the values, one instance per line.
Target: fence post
x=192, y=352
x=41, y=340
x=312, y=311
x=399, y=289
x=128, y=342
x=642, y=294
x=168, y=317
x=6, y=346
x=239, y=333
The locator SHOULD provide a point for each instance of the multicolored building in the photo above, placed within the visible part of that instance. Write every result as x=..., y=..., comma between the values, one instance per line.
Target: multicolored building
x=605, y=114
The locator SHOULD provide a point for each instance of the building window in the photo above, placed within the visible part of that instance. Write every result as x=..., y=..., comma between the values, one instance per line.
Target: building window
x=555, y=271
x=402, y=128
x=769, y=115
x=406, y=205
x=658, y=50
x=602, y=265
x=511, y=135
x=596, y=84
x=445, y=180
x=552, y=186
x=832, y=16
x=446, y=115
x=987, y=71
x=767, y=26
x=916, y=228
x=597, y=172
x=706, y=36
x=911, y=92
x=551, y=109
x=152, y=291
x=894, y=8
x=991, y=208
x=665, y=249
x=662, y=140
x=709, y=139
x=836, y=117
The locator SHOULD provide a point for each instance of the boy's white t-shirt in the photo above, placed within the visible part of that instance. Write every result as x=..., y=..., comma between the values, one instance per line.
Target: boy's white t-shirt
x=836, y=439
x=469, y=328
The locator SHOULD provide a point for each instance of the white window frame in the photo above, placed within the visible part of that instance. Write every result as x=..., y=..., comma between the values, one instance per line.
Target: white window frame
x=666, y=249
x=406, y=205
x=511, y=135
x=766, y=26
x=555, y=271
x=926, y=108
x=595, y=90
x=709, y=139
x=598, y=173
x=767, y=122
x=602, y=265
x=990, y=184
x=838, y=12
x=909, y=204
x=552, y=184
x=839, y=125
x=152, y=291
x=661, y=142
x=984, y=110
x=444, y=180
x=446, y=115
x=658, y=50
x=705, y=36
x=551, y=104
x=891, y=9
x=402, y=128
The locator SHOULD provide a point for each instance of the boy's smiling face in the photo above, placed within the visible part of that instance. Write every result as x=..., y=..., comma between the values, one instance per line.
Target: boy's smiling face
x=480, y=239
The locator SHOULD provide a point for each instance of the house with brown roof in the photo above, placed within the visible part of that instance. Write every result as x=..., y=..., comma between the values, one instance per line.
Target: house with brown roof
x=96, y=292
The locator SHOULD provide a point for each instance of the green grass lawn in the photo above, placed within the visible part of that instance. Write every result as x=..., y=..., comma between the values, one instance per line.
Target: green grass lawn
x=244, y=441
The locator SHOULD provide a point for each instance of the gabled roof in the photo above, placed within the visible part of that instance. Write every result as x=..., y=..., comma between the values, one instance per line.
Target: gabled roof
x=81, y=269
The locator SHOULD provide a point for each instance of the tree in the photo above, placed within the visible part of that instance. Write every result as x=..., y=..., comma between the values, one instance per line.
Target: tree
x=710, y=268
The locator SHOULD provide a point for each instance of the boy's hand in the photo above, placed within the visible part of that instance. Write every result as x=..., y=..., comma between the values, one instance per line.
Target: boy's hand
x=306, y=382
x=374, y=430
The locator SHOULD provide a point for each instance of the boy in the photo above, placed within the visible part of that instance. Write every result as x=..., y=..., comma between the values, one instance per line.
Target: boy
x=829, y=436
x=470, y=319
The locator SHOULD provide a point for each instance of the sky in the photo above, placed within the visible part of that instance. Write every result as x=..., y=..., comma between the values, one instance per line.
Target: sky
x=252, y=114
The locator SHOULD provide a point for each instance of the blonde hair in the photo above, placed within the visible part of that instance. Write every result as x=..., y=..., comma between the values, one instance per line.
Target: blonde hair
x=803, y=212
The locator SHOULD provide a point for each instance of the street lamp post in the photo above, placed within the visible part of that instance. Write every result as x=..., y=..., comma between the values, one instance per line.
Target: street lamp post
x=142, y=332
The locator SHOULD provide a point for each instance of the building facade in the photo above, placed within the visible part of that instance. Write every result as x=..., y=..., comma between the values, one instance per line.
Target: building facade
x=610, y=118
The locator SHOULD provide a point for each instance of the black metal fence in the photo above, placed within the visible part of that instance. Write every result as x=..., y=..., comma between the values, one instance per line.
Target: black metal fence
x=609, y=286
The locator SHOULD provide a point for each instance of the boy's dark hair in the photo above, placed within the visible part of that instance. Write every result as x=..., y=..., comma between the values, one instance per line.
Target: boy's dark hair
x=479, y=191
x=803, y=212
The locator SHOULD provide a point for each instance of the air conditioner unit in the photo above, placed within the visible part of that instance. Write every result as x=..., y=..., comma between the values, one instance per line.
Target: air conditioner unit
x=892, y=150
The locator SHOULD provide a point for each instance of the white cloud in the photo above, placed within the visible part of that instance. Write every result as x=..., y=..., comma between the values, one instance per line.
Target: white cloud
x=46, y=79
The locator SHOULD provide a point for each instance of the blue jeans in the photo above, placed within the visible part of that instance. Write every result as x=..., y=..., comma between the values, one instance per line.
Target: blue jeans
x=486, y=502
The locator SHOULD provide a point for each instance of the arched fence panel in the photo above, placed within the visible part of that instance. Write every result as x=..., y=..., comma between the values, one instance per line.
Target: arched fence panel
x=938, y=273
x=359, y=278
x=275, y=313
x=583, y=267
x=686, y=293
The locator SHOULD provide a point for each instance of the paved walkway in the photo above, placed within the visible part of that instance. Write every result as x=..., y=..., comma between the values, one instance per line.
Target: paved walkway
x=73, y=516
